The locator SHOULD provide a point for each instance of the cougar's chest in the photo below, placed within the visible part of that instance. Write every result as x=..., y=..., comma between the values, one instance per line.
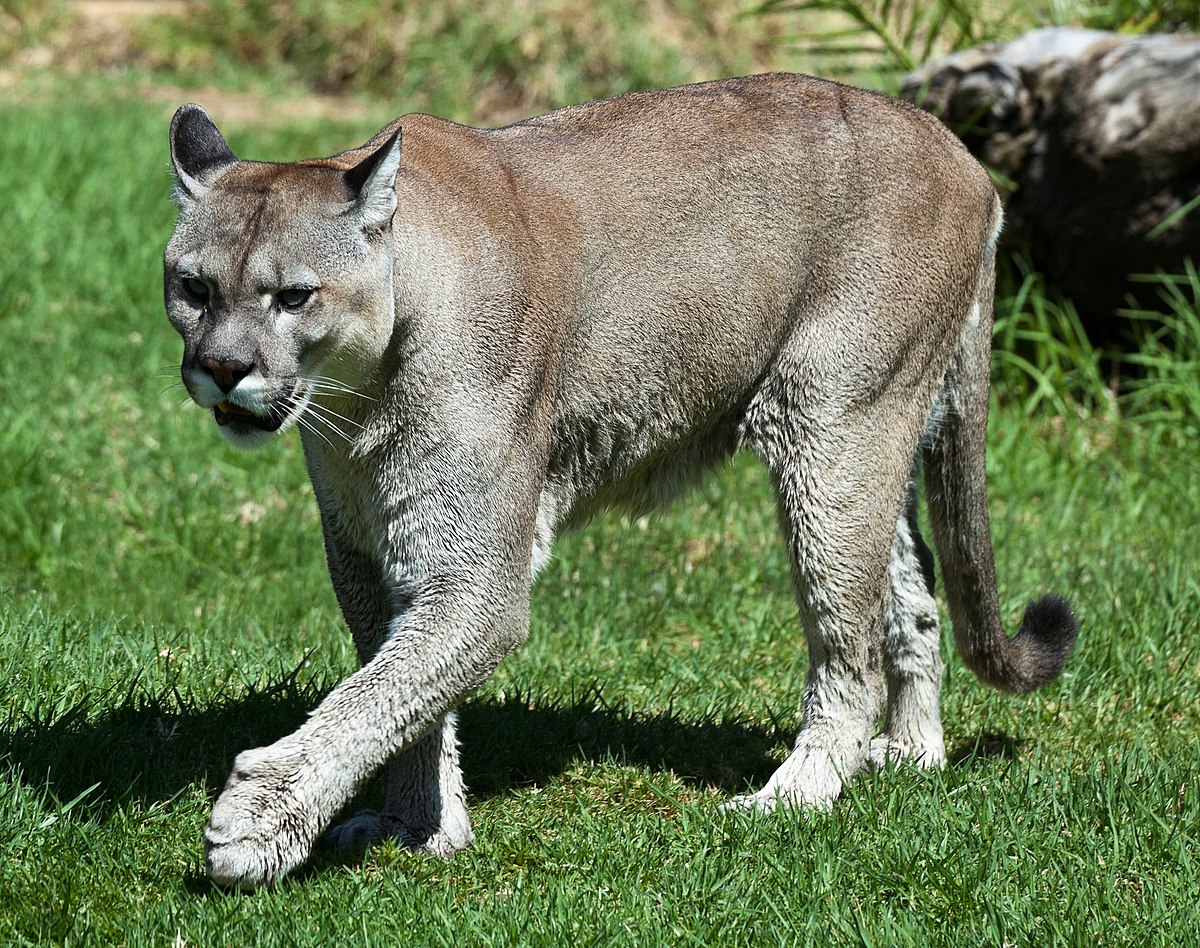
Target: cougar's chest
x=350, y=503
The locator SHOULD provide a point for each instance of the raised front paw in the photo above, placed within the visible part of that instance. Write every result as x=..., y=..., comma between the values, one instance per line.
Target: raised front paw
x=265, y=821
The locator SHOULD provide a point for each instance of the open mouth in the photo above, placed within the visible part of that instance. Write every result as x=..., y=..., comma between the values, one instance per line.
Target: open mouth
x=227, y=413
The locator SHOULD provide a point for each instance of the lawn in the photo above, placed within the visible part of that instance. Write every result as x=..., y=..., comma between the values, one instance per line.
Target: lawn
x=164, y=604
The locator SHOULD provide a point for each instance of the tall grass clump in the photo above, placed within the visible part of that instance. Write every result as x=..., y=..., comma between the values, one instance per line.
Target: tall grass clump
x=1044, y=363
x=24, y=23
x=478, y=57
x=891, y=34
x=1042, y=358
x=1127, y=16
x=884, y=38
x=1164, y=379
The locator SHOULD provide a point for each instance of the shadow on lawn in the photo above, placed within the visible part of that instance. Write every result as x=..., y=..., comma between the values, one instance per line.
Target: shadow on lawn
x=151, y=746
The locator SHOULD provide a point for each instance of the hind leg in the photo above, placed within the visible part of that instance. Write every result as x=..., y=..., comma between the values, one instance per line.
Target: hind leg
x=911, y=656
x=426, y=803
x=839, y=495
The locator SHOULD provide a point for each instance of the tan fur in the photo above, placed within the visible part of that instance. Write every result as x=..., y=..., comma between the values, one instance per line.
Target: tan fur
x=511, y=329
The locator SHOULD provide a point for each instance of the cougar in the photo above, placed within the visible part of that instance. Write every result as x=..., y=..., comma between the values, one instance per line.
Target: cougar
x=486, y=336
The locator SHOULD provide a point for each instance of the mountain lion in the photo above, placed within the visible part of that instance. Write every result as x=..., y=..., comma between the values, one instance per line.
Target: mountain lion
x=486, y=336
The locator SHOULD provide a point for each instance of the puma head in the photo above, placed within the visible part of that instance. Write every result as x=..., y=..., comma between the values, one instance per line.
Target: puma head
x=278, y=276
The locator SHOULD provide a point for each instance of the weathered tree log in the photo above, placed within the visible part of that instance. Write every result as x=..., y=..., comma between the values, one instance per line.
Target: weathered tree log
x=1099, y=135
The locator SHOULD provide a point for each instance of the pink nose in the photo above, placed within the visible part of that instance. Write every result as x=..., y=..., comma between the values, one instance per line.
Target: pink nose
x=226, y=373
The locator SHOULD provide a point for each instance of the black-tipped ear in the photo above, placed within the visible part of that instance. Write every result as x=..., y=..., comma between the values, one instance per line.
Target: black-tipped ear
x=372, y=183
x=198, y=151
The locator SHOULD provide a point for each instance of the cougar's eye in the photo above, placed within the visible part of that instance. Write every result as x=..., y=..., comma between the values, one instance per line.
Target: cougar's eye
x=294, y=296
x=195, y=290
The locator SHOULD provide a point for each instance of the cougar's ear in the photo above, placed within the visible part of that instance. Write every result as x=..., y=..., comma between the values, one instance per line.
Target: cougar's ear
x=198, y=152
x=372, y=184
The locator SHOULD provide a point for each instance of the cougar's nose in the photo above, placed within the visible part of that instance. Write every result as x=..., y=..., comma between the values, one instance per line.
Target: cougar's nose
x=226, y=373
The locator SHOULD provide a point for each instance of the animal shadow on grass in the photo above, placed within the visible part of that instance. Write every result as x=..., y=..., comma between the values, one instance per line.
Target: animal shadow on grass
x=151, y=746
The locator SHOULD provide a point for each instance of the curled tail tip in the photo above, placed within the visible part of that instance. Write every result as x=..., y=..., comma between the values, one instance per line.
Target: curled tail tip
x=1048, y=633
x=1051, y=622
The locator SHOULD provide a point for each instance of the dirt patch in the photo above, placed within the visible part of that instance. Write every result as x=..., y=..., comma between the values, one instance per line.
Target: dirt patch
x=253, y=108
x=125, y=11
x=99, y=36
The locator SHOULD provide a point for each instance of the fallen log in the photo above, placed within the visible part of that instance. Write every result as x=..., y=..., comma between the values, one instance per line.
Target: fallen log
x=1095, y=139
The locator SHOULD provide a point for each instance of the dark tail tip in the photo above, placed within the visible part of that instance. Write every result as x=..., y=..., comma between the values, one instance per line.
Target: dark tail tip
x=1048, y=632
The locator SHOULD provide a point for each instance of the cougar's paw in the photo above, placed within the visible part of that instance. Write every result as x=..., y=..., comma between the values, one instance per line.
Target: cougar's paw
x=260, y=828
x=751, y=803
x=806, y=780
x=769, y=799
x=885, y=751
x=368, y=828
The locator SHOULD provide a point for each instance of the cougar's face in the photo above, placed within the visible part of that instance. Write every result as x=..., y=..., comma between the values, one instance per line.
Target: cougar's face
x=277, y=301
x=278, y=278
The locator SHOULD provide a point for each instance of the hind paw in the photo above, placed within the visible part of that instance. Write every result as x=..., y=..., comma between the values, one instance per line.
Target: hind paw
x=367, y=828
x=887, y=751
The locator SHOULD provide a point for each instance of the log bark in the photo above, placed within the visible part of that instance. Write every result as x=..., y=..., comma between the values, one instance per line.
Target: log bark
x=1097, y=138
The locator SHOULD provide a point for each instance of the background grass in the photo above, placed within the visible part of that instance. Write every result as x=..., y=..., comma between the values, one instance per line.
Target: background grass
x=164, y=604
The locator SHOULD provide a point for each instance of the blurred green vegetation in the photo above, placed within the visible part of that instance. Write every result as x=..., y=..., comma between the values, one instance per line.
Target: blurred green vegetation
x=479, y=59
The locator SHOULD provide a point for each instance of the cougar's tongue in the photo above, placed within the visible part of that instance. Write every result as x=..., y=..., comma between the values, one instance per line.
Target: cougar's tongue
x=229, y=408
x=225, y=412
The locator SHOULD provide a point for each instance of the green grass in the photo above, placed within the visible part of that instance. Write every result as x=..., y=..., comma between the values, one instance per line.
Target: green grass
x=163, y=605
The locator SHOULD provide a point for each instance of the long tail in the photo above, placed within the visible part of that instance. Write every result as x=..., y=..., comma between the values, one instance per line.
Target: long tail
x=956, y=489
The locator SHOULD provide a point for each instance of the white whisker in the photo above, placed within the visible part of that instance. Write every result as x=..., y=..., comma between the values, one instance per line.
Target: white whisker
x=304, y=424
x=306, y=417
x=328, y=386
x=318, y=392
x=326, y=410
x=314, y=415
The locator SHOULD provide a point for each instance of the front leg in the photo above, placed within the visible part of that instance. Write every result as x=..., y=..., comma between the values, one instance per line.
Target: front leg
x=280, y=798
x=425, y=807
x=446, y=507
x=453, y=536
